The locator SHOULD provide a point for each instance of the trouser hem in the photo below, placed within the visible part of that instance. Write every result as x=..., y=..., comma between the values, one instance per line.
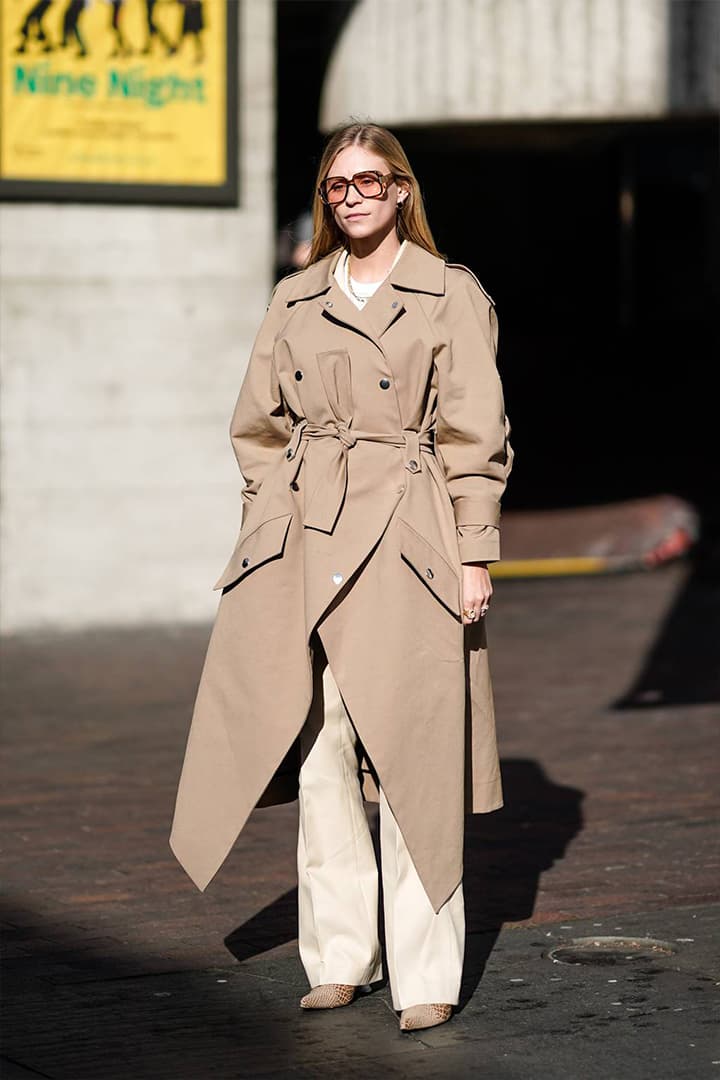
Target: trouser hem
x=431, y=995
x=345, y=977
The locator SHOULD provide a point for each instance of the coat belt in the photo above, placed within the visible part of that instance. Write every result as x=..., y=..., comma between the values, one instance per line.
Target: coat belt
x=323, y=506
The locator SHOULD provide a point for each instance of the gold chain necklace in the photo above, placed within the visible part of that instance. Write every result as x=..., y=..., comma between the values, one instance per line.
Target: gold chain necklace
x=362, y=299
x=350, y=289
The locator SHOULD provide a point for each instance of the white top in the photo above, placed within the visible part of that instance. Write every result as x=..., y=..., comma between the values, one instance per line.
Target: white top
x=363, y=289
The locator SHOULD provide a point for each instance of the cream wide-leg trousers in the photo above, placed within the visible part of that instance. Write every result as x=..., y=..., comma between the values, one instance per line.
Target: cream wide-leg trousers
x=338, y=878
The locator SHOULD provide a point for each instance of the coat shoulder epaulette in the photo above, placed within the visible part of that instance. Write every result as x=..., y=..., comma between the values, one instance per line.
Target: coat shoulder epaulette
x=282, y=281
x=461, y=266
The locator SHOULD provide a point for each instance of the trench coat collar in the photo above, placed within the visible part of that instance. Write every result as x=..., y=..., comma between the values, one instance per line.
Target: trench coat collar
x=417, y=270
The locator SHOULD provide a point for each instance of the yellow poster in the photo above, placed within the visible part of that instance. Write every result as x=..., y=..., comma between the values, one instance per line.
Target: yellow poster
x=119, y=92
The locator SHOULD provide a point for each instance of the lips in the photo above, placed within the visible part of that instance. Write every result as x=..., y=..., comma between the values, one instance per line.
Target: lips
x=352, y=217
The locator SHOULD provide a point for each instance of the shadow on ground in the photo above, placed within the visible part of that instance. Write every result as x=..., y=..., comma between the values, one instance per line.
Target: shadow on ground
x=683, y=665
x=505, y=854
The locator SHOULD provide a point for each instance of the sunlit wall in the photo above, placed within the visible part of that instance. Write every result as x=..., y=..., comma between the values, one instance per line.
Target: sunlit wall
x=125, y=334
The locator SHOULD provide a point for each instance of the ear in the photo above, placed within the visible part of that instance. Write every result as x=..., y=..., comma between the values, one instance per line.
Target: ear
x=403, y=191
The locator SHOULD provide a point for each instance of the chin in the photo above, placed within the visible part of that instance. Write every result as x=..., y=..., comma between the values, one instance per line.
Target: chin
x=364, y=229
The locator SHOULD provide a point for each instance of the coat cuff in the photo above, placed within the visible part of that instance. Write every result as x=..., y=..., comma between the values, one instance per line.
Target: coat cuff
x=478, y=543
x=470, y=509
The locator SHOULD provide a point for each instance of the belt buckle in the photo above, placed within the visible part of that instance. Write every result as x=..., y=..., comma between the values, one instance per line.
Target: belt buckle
x=412, y=451
x=294, y=444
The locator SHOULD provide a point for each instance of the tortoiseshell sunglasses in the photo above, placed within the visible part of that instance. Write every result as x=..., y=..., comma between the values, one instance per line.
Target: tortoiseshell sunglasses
x=369, y=185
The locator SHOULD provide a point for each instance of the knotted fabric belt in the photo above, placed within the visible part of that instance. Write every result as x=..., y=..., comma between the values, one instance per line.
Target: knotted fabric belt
x=323, y=507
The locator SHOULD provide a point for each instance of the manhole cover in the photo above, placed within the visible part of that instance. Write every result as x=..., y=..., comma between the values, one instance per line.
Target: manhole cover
x=610, y=950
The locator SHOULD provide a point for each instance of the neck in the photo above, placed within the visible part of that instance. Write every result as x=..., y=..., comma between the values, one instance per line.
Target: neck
x=371, y=257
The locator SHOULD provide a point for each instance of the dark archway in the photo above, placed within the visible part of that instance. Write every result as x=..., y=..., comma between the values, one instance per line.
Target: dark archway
x=599, y=243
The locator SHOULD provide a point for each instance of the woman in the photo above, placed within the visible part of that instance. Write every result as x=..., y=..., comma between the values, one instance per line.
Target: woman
x=348, y=657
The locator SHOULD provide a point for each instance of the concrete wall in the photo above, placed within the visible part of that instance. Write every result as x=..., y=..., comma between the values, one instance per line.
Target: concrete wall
x=124, y=335
x=434, y=61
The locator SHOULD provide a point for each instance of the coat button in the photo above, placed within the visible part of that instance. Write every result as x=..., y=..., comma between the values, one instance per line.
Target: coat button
x=298, y=375
x=412, y=465
x=294, y=485
x=429, y=573
x=394, y=304
x=246, y=561
x=288, y=453
x=328, y=303
x=385, y=384
x=337, y=578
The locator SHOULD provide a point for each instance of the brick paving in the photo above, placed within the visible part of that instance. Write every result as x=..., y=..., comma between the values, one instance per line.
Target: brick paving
x=116, y=966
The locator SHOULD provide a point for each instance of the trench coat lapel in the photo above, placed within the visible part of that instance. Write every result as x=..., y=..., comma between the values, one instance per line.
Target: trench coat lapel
x=318, y=284
x=417, y=270
x=336, y=305
x=379, y=313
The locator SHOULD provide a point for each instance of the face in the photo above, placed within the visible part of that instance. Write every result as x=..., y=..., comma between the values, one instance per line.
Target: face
x=358, y=216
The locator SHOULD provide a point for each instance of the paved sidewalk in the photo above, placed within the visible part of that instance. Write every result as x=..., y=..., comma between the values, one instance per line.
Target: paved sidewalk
x=116, y=966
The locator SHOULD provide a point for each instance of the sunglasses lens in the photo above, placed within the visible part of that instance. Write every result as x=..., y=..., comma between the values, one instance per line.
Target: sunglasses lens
x=368, y=185
x=334, y=190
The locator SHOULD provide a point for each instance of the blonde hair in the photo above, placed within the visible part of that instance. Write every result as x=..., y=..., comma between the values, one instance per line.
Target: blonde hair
x=411, y=223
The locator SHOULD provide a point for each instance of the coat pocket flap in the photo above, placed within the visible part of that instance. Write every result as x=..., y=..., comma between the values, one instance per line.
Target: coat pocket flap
x=432, y=567
x=266, y=541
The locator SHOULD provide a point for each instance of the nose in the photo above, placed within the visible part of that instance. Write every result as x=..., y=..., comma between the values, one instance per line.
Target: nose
x=353, y=196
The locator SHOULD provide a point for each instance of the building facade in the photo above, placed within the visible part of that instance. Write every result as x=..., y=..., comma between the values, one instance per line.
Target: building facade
x=125, y=330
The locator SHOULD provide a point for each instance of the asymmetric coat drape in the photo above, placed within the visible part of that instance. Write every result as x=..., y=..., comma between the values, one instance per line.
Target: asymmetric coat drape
x=367, y=439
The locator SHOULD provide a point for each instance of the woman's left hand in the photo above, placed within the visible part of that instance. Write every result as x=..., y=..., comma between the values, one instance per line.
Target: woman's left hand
x=477, y=591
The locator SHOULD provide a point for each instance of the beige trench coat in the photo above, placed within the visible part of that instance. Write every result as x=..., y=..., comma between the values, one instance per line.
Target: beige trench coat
x=374, y=448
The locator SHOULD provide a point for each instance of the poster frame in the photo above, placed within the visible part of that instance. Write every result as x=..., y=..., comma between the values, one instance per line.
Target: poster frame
x=117, y=193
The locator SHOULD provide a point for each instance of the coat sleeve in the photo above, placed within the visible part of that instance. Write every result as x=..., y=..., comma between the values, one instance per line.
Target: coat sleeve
x=260, y=425
x=473, y=430
x=478, y=543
